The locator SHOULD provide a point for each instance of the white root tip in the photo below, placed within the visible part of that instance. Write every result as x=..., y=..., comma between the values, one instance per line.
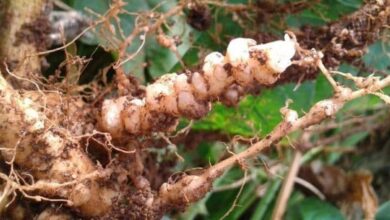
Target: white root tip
x=238, y=51
x=279, y=53
x=210, y=61
x=111, y=120
x=132, y=116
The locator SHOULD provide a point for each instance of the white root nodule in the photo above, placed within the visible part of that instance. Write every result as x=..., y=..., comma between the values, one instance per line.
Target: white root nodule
x=223, y=78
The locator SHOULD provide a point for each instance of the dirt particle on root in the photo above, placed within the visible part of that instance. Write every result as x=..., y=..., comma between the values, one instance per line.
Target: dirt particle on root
x=132, y=205
x=228, y=68
x=160, y=121
x=260, y=56
x=199, y=17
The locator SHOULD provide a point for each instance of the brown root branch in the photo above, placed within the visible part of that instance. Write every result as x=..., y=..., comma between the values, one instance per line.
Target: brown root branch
x=193, y=186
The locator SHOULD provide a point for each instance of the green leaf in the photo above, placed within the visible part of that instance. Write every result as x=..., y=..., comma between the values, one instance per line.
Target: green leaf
x=313, y=209
x=245, y=200
x=323, y=12
x=160, y=60
x=103, y=36
x=216, y=209
x=383, y=212
x=378, y=56
x=198, y=208
x=163, y=60
x=349, y=141
x=204, y=154
x=266, y=200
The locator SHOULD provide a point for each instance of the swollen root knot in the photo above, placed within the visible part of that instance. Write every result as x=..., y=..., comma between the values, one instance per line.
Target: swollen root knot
x=224, y=78
x=187, y=190
x=80, y=194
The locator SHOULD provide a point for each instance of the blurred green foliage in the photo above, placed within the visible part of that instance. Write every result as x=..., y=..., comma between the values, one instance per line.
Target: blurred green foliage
x=383, y=212
x=313, y=209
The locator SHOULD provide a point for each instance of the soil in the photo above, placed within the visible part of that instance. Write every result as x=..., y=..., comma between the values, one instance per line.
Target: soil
x=35, y=33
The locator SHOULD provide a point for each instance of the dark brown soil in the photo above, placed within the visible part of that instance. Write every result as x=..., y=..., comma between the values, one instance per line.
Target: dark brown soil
x=345, y=40
x=35, y=33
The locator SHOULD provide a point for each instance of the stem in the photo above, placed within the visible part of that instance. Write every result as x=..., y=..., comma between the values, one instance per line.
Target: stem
x=319, y=112
x=287, y=187
x=192, y=188
x=330, y=79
